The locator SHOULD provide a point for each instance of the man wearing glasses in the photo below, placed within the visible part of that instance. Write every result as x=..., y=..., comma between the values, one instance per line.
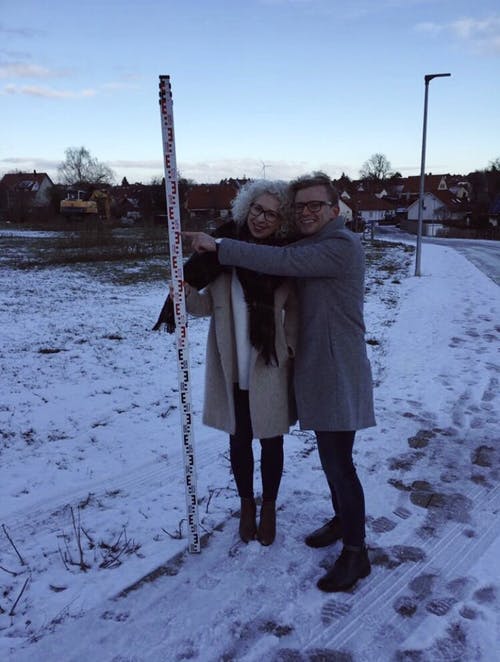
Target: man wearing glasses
x=333, y=383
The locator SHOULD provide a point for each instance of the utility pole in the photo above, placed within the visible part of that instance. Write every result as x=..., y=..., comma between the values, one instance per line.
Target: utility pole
x=428, y=79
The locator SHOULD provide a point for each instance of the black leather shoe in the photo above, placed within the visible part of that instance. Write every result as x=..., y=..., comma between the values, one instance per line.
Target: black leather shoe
x=348, y=568
x=325, y=535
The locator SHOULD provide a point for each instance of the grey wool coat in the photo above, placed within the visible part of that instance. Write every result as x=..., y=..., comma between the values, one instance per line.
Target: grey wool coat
x=333, y=381
x=272, y=403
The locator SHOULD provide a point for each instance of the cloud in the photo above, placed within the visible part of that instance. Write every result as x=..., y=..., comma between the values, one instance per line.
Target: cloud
x=357, y=9
x=140, y=164
x=210, y=171
x=29, y=163
x=470, y=28
x=19, y=32
x=432, y=28
x=18, y=55
x=214, y=171
x=118, y=85
x=288, y=2
x=350, y=11
x=23, y=70
x=17, y=160
x=482, y=35
x=47, y=92
x=20, y=69
x=16, y=70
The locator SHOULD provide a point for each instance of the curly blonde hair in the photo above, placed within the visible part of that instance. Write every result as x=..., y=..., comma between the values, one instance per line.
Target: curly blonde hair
x=250, y=191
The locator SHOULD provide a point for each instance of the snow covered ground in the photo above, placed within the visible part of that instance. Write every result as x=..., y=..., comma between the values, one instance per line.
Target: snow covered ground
x=90, y=450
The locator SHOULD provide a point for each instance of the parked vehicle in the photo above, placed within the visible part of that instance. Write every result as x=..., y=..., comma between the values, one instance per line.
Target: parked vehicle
x=82, y=205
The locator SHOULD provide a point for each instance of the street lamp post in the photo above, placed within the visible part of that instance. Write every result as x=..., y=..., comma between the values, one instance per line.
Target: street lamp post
x=428, y=78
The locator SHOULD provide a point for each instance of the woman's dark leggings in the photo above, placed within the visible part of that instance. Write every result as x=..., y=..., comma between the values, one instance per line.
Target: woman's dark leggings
x=241, y=454
x=335, y=453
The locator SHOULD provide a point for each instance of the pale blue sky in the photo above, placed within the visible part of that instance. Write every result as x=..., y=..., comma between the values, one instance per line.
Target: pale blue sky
x=294, y=85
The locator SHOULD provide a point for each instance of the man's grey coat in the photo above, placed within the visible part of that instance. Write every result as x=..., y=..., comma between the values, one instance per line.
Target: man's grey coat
x=333, y=381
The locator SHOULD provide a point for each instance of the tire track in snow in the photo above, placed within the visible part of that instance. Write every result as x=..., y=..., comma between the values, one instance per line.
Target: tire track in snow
x=44, y=517
x=453, y=552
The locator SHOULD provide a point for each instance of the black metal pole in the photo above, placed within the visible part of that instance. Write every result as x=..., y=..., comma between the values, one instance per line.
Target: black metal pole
x=418, y=251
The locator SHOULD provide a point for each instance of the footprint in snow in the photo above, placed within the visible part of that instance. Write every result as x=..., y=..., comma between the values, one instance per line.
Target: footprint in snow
x=440, y=606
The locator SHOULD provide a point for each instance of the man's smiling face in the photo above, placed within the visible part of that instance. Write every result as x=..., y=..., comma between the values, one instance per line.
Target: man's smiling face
x=313, y=209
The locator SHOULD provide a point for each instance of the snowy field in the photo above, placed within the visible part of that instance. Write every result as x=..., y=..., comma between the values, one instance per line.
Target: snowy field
x=92, y=494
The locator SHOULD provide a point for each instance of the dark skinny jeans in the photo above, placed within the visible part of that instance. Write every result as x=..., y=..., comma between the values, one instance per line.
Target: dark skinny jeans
x=241, y=453
x=335, y=453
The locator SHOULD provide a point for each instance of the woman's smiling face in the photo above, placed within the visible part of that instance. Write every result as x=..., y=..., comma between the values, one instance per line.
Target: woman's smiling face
x=263, y=217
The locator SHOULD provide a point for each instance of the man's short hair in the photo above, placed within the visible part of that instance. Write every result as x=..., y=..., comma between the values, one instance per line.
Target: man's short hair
x=317, y=178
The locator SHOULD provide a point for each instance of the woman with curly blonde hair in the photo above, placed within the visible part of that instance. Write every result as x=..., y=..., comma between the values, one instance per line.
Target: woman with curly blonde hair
x=250, y=348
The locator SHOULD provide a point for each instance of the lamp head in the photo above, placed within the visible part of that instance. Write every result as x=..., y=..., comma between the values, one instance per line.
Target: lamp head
x=429, y=77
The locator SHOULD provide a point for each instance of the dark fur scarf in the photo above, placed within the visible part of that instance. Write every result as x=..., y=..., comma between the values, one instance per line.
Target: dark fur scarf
x=202, y=268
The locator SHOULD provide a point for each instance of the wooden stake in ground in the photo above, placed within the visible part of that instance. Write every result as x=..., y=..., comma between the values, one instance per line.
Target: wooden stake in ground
x=177, y=277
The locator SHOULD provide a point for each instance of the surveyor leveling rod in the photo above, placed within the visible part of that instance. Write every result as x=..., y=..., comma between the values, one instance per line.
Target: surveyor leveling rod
x=177, y=277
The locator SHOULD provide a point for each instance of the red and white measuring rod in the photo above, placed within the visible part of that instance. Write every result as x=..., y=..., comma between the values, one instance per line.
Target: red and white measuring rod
x=177, y=277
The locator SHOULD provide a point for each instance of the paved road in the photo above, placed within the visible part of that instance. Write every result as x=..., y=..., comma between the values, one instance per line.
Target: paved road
x=485, y=255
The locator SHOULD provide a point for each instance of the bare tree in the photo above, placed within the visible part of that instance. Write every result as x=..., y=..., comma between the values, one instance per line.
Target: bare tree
x=495, y=165
x=80, y=167
x=377, y=167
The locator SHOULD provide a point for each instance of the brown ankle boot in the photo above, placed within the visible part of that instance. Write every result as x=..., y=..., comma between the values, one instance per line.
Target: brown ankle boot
x=267, y=525
x=248, y=525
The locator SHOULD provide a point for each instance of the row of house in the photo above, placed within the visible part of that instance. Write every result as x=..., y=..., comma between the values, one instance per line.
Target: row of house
x=447, y=200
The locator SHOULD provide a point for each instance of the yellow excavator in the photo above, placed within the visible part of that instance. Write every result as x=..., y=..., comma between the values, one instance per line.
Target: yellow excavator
x=81, y=205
